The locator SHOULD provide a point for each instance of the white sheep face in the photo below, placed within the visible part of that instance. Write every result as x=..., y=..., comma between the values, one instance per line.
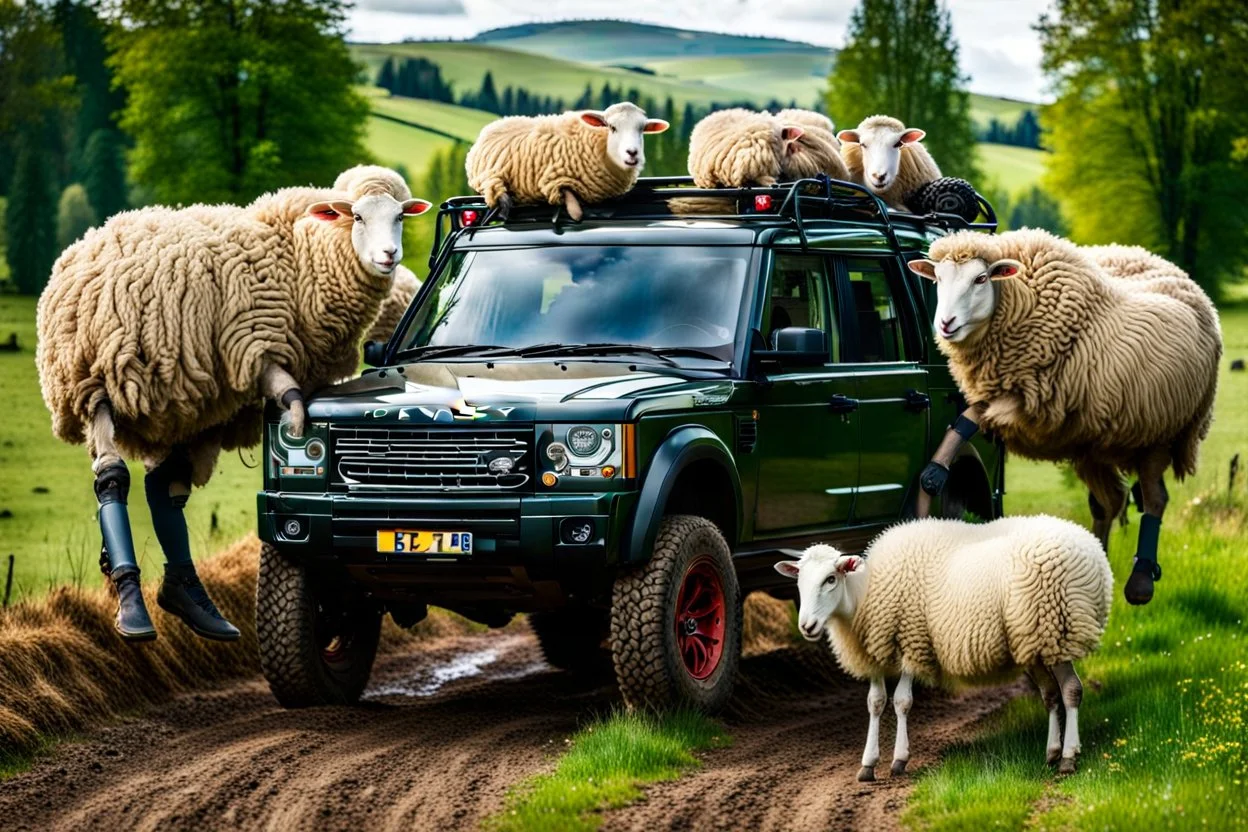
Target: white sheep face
x=823, y=576
x=376, y=227
x=626, y=124
x=965, y=295
x=881, y=152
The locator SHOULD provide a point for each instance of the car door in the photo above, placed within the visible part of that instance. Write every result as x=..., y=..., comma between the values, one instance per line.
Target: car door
x=808, y=421
x=885, y=352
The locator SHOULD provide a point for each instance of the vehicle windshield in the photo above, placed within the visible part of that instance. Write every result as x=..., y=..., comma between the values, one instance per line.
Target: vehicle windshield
x=657, y=297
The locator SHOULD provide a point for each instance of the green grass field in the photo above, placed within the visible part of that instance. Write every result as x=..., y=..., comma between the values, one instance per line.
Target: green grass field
x=1012, y=168
x=46, y=485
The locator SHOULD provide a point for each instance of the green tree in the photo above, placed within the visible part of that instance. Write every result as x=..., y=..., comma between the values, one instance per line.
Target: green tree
x=82, y=33
x=1035, y=208
x=1150, y=101
x=30, y=219
x=104, y=173
x=231, y=98
x=901, y=59
x=74, y=215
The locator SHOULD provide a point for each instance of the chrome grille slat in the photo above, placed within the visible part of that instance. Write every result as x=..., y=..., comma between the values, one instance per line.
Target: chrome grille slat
x=429, y=458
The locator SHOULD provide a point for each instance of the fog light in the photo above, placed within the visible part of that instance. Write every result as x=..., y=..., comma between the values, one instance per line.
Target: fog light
x=315, y=449
x=608, y=471
x=549, y=479
x=294, y=529
x=576, y=531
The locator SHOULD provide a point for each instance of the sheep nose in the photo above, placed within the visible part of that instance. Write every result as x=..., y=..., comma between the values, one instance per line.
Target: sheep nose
x=389, y=252
x=632, y=153
x=947, y=323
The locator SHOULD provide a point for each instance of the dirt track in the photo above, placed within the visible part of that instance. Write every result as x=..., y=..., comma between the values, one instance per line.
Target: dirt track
x=447, y=728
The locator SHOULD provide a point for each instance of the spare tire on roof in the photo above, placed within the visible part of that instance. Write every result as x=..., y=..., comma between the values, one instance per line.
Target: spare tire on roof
x=947, y=195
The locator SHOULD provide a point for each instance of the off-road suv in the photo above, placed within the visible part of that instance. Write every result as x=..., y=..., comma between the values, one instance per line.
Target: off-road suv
x=616, y=426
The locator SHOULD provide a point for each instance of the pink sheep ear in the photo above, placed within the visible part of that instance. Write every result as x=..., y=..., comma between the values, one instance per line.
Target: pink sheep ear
x=328, y=211
x=923, y=268
x=594, y=118
x=655, y=125
x=849, y=136
x=791, y=134
x=912, y=136
x=788, y=568
x=848, y=564
x=415, y=207
x=1003, y=269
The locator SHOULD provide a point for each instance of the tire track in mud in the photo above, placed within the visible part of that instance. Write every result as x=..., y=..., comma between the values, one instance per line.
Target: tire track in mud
x=447, y=728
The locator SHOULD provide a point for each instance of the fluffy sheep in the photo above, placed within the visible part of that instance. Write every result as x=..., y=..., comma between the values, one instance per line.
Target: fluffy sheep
x=945, y=601
x=737, y=148
x=885, y=156
x=564, y=159
x=403, y=288
x=1064, y=362
x=1132, y=262
x=816, y=149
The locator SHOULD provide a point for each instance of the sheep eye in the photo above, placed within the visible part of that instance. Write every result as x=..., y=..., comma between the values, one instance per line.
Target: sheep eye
x=831, y=581
x=358, y=218
x=899, y=143
x=983, y=278
x=611, y=127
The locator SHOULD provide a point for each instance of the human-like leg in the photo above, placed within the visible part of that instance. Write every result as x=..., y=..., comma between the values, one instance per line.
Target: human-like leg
x=279, y=385
x=877, y=698
x=1146, y=570
x=1046, y=683
x=935, y=475
x=903, y=698
x=573, y=205
x=1106, y=496
x=168, y=486
x=117, y=560
x=1072, y=696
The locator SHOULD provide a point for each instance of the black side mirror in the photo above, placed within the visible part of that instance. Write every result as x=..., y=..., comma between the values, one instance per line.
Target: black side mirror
x=374, y=353
x=795, y=346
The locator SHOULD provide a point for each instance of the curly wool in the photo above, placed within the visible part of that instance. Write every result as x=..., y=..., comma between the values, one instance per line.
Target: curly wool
x=1132, y=262
x=817, y=151
x=917, y=167
x=372, y=180
x=1075, y=363
x=171, y=315
x=952, y=601
x=735, y=148
x=403, y=288
x=534, y=158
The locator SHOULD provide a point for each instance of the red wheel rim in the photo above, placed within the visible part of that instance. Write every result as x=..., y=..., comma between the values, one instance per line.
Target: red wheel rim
x=700, y=619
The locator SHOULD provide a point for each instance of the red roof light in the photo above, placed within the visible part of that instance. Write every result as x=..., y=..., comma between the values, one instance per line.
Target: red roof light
x=468, y=217
x=762, y=202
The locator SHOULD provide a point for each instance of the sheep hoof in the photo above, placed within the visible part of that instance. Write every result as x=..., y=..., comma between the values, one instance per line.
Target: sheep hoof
x=1052, y=756
x=1067, y=766
x=866, y=774
x=298, y=419
x=504, y=207
x=899, y=767
x=1139, y=588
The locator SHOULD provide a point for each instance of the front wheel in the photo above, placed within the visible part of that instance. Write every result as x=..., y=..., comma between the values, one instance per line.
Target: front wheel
x=676, y=621
x=317, y=645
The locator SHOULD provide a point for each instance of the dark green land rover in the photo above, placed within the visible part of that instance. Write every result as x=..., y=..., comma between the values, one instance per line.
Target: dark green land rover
x=615, y=426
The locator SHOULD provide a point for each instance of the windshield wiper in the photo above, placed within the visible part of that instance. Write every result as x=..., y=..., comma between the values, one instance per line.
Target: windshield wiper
x=662, y=353
x=447, y=351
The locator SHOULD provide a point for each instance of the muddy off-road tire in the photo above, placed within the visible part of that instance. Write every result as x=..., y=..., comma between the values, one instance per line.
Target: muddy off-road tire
x=676, y=621
x=315, y=648
x=572, y=639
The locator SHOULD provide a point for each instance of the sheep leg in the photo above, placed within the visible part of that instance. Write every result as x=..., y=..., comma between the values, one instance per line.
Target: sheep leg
x=573, y=205
x=1146, y=570
x=1106, y=496
x=877, y=698
x=279, y=385
x=936, y=474
x=1072, y=697
x=100, y=444
x=1047, y=685
x=903, y=698
x=505, y=204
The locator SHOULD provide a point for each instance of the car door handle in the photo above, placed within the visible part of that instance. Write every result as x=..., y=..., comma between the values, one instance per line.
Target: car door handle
x=916, y=401
x=843, y=404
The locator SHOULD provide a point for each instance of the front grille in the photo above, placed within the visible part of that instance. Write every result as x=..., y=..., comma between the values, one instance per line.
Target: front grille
x=430, y=458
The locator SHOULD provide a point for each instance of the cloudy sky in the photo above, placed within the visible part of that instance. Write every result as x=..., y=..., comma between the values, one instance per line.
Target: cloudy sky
x=999, y=50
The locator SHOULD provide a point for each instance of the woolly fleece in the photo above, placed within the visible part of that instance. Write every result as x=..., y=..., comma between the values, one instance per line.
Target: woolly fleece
x=817, y=151
x=170, y=315
x=403, y=288
x=1076, y=363
x=735, y=148
x=917, y=167
x=953, y=601
x=534, y=158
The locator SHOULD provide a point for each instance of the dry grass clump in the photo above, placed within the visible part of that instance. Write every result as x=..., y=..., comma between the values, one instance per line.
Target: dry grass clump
x=767, y=624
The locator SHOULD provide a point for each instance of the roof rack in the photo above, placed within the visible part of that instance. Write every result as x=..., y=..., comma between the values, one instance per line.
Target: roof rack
x=817, y=198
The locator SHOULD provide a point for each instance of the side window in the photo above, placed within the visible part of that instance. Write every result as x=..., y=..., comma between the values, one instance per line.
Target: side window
x=798, y=296
x=875, y=309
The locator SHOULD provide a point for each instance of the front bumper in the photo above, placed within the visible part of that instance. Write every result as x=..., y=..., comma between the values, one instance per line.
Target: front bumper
x=517, y=558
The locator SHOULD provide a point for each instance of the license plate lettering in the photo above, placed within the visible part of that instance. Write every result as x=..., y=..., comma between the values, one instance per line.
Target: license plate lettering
x=424, y=543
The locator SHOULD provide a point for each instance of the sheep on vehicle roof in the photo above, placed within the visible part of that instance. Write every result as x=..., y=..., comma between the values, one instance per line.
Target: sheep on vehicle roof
x=1063, y=362
x=816, y=150
x=162, y=331
x=564, y=159
x=737, y=148
x=945, y=601
x=886, y=156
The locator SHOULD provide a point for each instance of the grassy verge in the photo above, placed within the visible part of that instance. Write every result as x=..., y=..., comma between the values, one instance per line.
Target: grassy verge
x=605, y=767
x=1164, y=723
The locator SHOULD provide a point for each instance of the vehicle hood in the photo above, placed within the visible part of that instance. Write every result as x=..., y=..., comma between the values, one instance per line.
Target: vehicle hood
x=519, y=391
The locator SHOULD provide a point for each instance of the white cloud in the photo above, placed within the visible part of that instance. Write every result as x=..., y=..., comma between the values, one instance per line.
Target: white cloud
x=412, y=7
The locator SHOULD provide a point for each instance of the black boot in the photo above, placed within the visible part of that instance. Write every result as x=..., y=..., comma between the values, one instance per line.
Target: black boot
x=182, y=594
x=1145, y=571
x=132, y=621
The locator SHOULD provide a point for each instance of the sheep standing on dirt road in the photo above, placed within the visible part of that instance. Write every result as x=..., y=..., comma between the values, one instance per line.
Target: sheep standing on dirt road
x=945, y=601
x=885, y=156
x=1065, y=362
x=161, y=332
x=563, y=159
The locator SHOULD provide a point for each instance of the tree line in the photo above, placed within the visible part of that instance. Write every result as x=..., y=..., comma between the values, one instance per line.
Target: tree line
x=1025, y=132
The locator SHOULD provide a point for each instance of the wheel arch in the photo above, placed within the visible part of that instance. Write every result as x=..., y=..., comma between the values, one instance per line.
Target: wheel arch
x=691, y=472
x=969, y=488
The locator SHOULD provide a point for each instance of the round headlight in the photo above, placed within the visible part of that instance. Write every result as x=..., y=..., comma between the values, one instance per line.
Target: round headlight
x=584, y=440
x=315, y=449
x=557, y=454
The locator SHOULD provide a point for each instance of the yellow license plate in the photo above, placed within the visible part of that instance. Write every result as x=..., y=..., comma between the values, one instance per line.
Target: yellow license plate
x=424, y=543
